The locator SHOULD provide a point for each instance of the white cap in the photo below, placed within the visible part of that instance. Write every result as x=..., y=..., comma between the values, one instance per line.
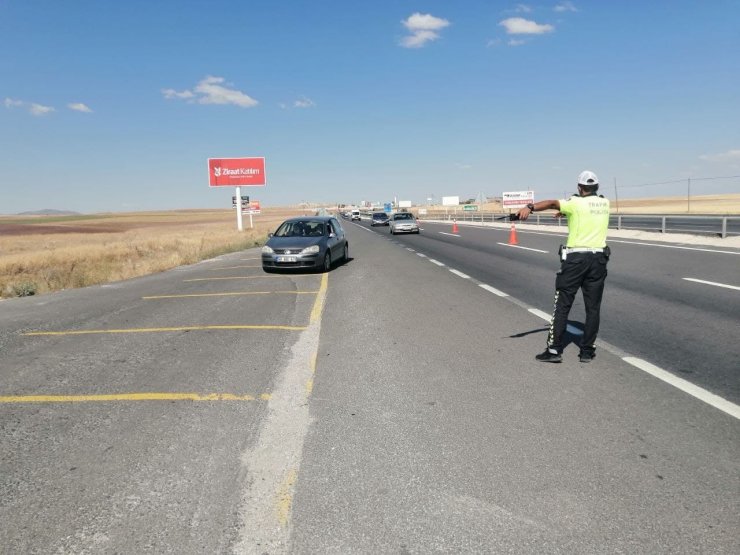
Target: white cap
x=588, y=178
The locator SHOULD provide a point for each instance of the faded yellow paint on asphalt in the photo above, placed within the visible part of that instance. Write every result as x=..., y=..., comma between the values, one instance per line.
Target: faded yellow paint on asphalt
x=318, y=306
x=233, y=268
x=132, y=397
x=155, y=330
x=319, y=302
x=249, y=277
x=233, y=293
x=285, y=497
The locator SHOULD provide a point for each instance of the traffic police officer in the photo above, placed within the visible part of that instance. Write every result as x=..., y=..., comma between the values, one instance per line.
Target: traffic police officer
x=583, y=264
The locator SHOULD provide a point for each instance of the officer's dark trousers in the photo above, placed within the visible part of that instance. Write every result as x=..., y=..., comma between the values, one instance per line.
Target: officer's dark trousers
x=587, y=271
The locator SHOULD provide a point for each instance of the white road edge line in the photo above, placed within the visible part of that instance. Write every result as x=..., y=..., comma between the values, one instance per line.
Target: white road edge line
x=518, y=247
x=687, y=387
x=735, y=287
x=459, y=273
x=450, y=234
x=437, y=262
x=410, y=249
x=492, y=290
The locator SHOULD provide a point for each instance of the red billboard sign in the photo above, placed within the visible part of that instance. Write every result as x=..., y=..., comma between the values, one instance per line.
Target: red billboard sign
x=236, y=172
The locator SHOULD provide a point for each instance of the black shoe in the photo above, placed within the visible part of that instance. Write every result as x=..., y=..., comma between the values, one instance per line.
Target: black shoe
x=586, y=356
x=548, y=356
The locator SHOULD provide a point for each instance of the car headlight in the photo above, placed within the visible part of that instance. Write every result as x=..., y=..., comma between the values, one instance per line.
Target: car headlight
x=313, y=249
x=267, y=250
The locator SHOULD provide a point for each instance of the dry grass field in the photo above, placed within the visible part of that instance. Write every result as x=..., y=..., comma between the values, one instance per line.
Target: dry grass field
x=39, y=254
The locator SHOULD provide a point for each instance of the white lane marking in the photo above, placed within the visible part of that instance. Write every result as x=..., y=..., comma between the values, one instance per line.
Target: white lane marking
x=544, y=315
x=450, y=234
x=437, y=262
x=410, y=249
x=687, y=387
x=671, y=246
x=421, y=254
x=735, y=287
x=518, y=247
x=459, y=273
x=493, y=290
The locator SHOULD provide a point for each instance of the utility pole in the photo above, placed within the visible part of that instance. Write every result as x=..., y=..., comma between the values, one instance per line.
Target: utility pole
x=688, y=195
x=616, y=194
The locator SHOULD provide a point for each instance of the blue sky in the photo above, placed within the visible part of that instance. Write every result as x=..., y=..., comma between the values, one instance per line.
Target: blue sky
x=117, y=105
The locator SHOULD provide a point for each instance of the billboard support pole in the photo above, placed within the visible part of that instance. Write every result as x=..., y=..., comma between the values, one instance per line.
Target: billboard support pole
x=239, y=225
x=251, y=225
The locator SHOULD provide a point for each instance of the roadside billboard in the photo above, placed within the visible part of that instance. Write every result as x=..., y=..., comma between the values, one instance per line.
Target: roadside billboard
x=450, y=201
x=236, y=172
x=517, y=199
x=251, y=207
x=404, y=204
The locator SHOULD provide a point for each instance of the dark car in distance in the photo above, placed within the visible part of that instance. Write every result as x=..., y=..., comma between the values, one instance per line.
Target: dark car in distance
x=379, y=218
x=309, y=242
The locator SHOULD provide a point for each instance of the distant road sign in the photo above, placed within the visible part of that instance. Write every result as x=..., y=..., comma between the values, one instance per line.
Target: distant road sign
x=470, y=207
x=517, y=199
x=236, y=172
x=388, y=207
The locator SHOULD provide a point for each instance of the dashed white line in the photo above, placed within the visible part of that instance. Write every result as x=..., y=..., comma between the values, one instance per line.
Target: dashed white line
x=437, y=262
x=410, y=249
x=450, y=234
x=687, y=387
x=537, y=312
x=493, y=290
x=459, y=273
x=671, y=246
x=736, y=288
x=421, y=254
x=518, y=247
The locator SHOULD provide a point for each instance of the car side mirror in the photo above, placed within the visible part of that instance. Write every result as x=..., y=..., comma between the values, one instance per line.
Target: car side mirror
x=270, y=235
x=332, y=234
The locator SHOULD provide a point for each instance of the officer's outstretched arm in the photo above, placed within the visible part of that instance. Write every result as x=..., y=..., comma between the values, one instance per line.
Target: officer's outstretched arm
x=537, y=207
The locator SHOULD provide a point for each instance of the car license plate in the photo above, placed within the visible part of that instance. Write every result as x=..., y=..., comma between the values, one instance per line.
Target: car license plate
x=287, y=259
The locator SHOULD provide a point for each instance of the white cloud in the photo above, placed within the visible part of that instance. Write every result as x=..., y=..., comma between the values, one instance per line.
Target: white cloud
x=516, y=42
x=10, y=103
x=40, y=110
x=213, y=90
x=565, y=7
x=423, y=28
x=79, y=107
x=522, y=8
x=521, y=26
x=172, y=93
x=729, y=156
x=33, y=108
x=304, y=103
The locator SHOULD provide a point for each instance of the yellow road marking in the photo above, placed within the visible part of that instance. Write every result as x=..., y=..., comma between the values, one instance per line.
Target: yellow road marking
x=285, y=497
x=318, y=304
x=248, y=277
x=180, y=328
x=132, y=397
x=234, y=293
x=232, y=268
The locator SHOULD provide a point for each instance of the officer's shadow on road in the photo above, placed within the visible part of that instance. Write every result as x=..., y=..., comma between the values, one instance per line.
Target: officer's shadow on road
x=573, y=333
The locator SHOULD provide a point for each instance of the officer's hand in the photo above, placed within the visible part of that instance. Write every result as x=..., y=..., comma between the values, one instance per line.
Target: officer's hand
x=559, y=215
x=523, y=214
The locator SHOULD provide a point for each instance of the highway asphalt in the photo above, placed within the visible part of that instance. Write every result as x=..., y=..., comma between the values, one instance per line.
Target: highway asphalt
x=390, y=406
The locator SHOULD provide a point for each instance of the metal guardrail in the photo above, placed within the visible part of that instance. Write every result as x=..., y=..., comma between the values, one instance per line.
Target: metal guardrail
x=697, y=224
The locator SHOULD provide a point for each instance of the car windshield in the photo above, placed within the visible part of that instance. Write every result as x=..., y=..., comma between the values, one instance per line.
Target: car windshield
x=379, y=216
x=404, y=216
x=300, y=228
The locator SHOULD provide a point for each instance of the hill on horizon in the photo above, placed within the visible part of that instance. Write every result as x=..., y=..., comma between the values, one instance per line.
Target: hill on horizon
x=49, y=212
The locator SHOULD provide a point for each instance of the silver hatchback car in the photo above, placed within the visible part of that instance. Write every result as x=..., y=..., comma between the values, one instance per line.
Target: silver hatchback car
x=403, y=222
x=315, y=242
